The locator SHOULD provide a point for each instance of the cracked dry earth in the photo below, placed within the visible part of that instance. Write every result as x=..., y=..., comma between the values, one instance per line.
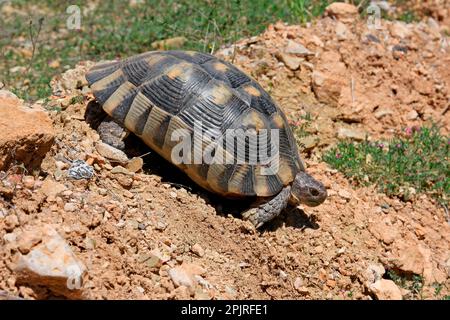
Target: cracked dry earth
x=150, y=233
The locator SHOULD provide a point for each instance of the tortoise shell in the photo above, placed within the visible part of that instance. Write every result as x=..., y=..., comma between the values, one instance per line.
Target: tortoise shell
x=155, y=93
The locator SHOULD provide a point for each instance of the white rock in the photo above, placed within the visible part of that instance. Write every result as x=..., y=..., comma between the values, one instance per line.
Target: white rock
x=111, y=153
x=342, y=31
x=297, y=49
x=386, y=290
x=70, y=207
x=399, y=30
x=355, y=134
x=50, y=263
x=181, y=277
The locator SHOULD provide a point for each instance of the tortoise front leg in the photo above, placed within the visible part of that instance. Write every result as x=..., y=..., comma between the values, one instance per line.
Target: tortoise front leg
x=268, y=210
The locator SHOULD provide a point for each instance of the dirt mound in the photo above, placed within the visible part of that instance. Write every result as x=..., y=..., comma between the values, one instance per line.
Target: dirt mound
x=150, y=233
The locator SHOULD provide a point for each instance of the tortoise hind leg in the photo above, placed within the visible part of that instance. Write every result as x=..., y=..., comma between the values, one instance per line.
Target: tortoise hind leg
x=268, y=210
x=112, y=133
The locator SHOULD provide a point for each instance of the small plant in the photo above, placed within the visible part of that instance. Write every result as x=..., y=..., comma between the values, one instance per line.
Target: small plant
x=408, y=17
x=437, y=289
x=413, y=283
x=77, y=99
x=305, y=10
x=300, y=128
x=417, y=161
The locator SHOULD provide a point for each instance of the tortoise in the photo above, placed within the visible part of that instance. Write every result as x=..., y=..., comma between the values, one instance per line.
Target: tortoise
x=156, y=93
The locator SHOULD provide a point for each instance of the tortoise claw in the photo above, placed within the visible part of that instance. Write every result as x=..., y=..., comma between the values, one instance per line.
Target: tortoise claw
x=252, y=215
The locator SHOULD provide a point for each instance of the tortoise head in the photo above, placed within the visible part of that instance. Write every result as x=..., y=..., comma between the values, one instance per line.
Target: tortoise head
x=307, y=190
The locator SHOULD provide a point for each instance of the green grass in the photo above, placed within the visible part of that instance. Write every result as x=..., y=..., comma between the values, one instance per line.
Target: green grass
x=114, y=29
x=408, y=17
x=417, y=161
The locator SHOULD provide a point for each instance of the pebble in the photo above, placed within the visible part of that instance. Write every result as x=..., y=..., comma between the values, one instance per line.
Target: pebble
x=296, y=48
x=128, y=194
x=385, y=290
x=173, y=195
x=11, y=222
x=291, y=61
x=181, y=277
x=142, y=226
x=28, y=182
x=135, y=164
x=355, y=134
x=120, y=169
x=111, y=153
x=70, y=207
x=344, y=194
x=198, y=250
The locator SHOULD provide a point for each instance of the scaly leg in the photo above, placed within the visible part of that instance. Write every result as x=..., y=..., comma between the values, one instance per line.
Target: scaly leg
x=268, y=210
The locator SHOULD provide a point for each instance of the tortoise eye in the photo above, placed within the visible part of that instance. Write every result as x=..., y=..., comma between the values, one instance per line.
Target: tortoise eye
x=314, y=192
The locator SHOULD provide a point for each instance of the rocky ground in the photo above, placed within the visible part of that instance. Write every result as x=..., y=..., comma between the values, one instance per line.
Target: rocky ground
x=135, y=228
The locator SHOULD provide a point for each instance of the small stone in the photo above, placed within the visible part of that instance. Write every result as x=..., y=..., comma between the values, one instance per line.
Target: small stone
x=374, y=273
x=345, y=194
x=412, y=115
x=28, y=182
x=135, y=164
x=344, y=12
x=318, y=249
x=342, y=31
x=52, y=188
x=303, y=290
x=10, y=237
x=11, y=222
x=382, y=112
x=331, y=283
x=90, y=243
x=385, y=290
x=317, y=41
x=355, y=134
x=292, y=62
x=27, y=240
x=61, y=165
x=161, y=226
x=173, y=195
x=399, y=30
x=70, y=207
x=298, y=283
x=198, y=250
x=111, y=153
x=283, y=275
x=296, y=48
x=128, y=194
x=133, y=224
x=181, y=277
x=142, y=226
x=309, y=142
x=120, y=170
